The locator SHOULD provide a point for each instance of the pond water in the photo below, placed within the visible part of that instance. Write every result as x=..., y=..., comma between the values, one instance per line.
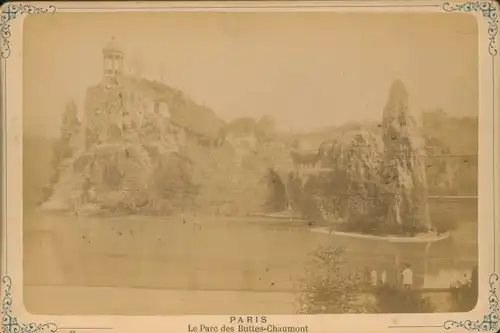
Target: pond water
x=203, y=253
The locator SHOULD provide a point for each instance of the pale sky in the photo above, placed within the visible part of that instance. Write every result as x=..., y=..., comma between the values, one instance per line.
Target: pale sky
x=307, y=70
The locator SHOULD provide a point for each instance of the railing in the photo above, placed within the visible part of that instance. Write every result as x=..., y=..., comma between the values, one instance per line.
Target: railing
x=454, y=197
x=452, y=155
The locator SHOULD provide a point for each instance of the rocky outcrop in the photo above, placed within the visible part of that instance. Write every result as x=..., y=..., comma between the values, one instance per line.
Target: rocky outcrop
x=349, y=186
x=124, y=144
x=376, y=183
x=404, y=164
x=136, y=157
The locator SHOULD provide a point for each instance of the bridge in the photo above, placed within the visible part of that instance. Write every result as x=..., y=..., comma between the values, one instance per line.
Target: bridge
x=474, y=155
x=284, y=170
x=453, y=197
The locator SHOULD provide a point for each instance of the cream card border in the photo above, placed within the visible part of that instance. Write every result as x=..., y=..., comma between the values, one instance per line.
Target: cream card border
x=485, y=317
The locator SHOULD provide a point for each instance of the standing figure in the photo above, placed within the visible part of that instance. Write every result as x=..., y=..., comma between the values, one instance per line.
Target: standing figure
x=76, y=201
x=407, y=277
x=373, y=278
x=383, y=277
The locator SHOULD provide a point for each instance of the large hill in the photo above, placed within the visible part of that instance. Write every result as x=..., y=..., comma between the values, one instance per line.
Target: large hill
x=184, y=112
x=226, y=173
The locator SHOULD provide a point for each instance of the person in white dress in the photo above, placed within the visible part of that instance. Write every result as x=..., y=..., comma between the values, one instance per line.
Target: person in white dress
x=373, y=278
x=383, y=277
x=407, y=276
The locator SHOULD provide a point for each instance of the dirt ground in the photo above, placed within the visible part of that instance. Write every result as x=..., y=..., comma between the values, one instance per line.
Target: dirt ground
x=55, y=300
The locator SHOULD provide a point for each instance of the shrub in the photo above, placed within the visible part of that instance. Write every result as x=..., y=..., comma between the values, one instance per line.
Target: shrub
x=330, y=287
x=378, y=184
x=464, y=295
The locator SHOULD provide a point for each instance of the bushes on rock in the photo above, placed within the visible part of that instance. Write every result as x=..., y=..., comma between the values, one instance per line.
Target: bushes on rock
x=377, y=184
x=464, y=295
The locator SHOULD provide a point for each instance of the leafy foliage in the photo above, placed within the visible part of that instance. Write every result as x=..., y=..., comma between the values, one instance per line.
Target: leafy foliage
x=354, y=183
x=137, y=178
x=276, y=200
x=330, y=287
x=465, y=295
x=171, y=185
x=378, y=184
x=65, y=147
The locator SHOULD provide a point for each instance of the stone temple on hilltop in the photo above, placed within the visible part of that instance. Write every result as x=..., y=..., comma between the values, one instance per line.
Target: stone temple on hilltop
x=121, y=104
x=123, y=114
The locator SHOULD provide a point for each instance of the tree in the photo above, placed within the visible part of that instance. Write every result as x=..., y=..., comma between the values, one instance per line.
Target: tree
x=330, y=287
x=171, y=184
x=70, y=129
x=276, y=200
x=353, y=187
x=377, y=184
x=65, y=146
x=465, y=295
x=265, y=127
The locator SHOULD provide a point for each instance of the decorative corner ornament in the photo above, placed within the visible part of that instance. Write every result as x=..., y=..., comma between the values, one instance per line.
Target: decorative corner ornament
x=490, y=322
x=9, y=321
x=489, y=10
x=10, y=12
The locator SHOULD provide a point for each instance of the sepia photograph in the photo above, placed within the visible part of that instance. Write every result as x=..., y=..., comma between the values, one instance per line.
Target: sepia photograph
x=279, y=163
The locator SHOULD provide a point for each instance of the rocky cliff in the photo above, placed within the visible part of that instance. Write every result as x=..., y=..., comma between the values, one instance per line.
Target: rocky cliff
x=132, y=157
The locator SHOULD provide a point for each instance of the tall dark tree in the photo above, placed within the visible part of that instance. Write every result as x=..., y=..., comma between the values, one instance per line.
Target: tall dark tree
x=66, y=144
x=277, y=199
x=70, y=129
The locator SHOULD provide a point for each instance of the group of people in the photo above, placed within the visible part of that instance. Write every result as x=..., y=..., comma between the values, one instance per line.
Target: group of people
x=405, y=278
